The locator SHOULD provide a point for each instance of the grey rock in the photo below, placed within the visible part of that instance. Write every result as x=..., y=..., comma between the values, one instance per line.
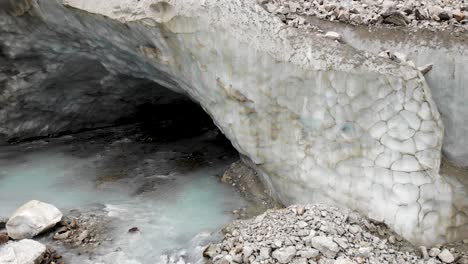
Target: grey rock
x=434, y=252
x=308, y=253
x=326, y=246
x=446, y=256
x=284, y=255
x=31, y=219
x=395, y=18
x=365, y=251
x=265, y=253
x=333, y=35
x=424, y=252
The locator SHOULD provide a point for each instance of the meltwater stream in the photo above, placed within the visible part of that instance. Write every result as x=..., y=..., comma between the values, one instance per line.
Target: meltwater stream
x=169, y=190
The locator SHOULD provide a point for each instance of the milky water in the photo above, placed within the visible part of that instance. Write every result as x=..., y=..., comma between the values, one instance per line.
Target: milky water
x=173, y=208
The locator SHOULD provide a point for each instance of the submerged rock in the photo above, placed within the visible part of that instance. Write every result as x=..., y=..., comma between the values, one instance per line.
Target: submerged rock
x=31, y=219
x=25, y=251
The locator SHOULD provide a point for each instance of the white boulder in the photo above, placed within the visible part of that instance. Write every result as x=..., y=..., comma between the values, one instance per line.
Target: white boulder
x=26, y=251
x=31, y=219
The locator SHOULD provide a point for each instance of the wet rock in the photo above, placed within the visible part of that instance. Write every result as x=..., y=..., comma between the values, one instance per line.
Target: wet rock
x=52, y=257
x=211, y=251
x=32, y=219
x=25, y=251
x=446, y=256
x=62, y=236
x=3, y=238
x=82, y=236
x=133, y=230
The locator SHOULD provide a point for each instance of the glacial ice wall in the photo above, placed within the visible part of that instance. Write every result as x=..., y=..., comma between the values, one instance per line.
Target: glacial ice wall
x=321, y=121
x=448, y=54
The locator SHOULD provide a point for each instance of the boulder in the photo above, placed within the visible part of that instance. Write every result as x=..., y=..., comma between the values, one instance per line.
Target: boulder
x=25, y=251
x=326, y=246
x=284, y=255
x=31, y=219
x=446, y=256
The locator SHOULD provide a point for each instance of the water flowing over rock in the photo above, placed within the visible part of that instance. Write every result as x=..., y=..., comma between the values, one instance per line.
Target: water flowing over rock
x=31, y=219
x=319, y=120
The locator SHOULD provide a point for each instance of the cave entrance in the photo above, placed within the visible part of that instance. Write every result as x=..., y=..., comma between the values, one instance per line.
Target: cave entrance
x=145, y=166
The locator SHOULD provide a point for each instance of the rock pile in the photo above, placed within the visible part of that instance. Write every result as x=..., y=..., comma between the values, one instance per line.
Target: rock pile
x=28, y=221
x=432, y=14
x=324, y=235
x=52, y=257
x=85, y=231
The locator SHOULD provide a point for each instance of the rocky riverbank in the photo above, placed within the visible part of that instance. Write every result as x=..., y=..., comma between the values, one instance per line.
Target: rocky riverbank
x=325, y=235
x=36, y=230
x=429, y=14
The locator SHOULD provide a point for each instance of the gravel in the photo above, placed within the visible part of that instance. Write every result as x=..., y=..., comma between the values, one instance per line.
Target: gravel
x=430, y=14
x=325, y=235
